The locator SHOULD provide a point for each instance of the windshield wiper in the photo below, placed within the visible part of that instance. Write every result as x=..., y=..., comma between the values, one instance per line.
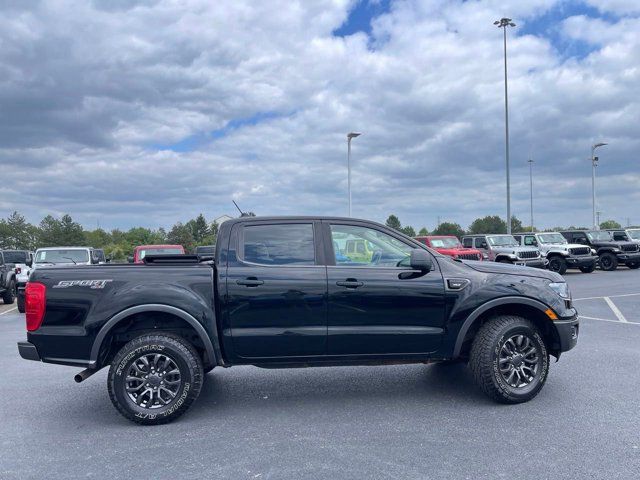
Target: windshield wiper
x=69, y=258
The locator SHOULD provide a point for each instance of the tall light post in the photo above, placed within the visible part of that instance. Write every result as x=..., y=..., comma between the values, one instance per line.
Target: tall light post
x=504, y=23
x=594, y=164
x=531, y=189
x=350, y=136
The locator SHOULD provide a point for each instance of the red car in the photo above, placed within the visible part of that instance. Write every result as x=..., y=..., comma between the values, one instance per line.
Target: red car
x=143, y=250
x=450, y=246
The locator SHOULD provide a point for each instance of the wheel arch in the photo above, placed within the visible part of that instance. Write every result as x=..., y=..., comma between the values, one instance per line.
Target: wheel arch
x=528, y=308
x=108, y=329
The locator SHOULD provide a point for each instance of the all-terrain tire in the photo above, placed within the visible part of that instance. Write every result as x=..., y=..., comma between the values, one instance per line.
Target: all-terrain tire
x=9, y=295
x=485, y=360
x=128, y=371
x=21, y=302
x=588, y=269
x=608, y=261
x=558, y=264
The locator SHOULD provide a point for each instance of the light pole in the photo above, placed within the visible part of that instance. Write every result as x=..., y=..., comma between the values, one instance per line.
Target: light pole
x=504, y=23
x=350, y=136
x=594, y=164
x=531, y=188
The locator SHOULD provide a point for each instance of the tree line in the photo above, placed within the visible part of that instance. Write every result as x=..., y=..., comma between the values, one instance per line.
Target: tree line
x=17, y=233
x=489, y=224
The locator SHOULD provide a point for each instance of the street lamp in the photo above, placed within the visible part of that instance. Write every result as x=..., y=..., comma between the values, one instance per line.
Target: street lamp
x=531, y=188
x=594, y=164
x=504, y=23
x=350, y=136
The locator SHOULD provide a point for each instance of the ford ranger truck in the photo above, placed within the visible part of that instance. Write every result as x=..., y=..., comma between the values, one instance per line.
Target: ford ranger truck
x=450, y=246
x=560, y=254
x=278, y=295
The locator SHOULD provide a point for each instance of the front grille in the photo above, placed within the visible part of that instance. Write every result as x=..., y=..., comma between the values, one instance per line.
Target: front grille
x=630, y=247
x=531, y=254
x=469, y=256
x=580, y=251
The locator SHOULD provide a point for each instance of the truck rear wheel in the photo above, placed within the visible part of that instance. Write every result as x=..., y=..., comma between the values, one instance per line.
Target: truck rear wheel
x=9, y=295
x=509, y=359
x=155, y=378
x=558, y=264
x=608, y=261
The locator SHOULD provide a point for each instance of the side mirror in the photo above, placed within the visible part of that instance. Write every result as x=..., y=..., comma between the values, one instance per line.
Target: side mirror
x=29, y=263
x=130, y=259
x=483, y=245
x=420, y=260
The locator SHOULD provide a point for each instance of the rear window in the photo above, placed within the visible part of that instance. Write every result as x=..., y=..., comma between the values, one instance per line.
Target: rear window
x=62, y=256
x=160, y=251
x=15, y=257
x=286, y=244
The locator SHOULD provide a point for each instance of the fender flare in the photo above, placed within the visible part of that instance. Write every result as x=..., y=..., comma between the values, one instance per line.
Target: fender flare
x=488, y=306
x=151, y=307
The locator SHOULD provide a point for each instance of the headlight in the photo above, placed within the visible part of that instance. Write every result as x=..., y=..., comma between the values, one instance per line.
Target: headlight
x=562, y=289
x=616, y=250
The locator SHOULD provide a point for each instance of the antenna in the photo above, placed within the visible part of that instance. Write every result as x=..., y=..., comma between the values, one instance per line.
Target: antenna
x=241, y=212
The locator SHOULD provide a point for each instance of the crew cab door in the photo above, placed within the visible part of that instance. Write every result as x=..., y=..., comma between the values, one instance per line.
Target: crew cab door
x=379, y=305
x=276, y=290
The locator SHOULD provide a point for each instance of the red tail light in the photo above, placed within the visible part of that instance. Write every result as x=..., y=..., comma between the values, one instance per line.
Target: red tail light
x=35, y=302
x=18, y=270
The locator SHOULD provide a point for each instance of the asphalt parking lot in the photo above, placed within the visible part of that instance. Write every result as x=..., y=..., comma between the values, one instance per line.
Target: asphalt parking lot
x=396, y=422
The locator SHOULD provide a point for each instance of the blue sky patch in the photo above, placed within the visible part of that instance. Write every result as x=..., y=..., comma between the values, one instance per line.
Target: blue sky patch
x=360, y=17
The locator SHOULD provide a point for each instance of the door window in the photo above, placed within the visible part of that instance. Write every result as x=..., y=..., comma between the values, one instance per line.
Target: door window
x=530, y=241
x=481, y=242
x=467, y=242
x=284, y=244
x=366, y=247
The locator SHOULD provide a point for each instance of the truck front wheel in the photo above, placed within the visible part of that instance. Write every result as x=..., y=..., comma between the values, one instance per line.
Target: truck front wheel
x=9, y=295
x=155, y=378
x=558, y=264
x=608, y=261
x=509, y=359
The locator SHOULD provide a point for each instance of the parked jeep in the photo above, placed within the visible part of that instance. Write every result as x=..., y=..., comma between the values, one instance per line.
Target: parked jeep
x=504, y=249
x=610, y=251
x=450, y=246
x=22, y=261
x=634, y=234
x=7, y=280
x=560, y=254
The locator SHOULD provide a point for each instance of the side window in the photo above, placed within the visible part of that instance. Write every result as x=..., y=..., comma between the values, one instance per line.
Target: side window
x=530, y=241
x=467, y=242
x=373, y=248
x=284, y=244
x=619, y=236
x=480, y=242
x=1, y=259
x=580, y=238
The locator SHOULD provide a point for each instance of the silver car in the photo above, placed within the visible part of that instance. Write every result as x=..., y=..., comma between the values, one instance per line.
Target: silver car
x=505, y=249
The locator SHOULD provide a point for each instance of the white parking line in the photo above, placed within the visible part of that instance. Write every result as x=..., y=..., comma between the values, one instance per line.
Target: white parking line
x=610, y=296
x=615, y=310
x=4, y=313
x=608, y=320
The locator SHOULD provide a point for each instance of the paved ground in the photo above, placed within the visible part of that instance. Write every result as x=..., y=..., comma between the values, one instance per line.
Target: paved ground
x=400, y=422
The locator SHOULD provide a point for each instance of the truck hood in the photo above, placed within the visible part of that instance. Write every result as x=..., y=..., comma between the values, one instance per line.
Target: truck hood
x=507, y=269
x=456, y=251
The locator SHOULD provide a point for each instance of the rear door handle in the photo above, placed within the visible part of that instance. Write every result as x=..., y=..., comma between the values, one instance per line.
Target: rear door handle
x=250, y=282
x=350, y=283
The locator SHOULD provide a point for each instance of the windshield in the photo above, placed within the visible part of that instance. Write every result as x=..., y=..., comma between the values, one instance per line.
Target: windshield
x=159, y=251
x=552, y=238
x=599, y=236
x=17, y=256
x=634, y=234
x=502, y=241
x=62, y=256
x=447, y=242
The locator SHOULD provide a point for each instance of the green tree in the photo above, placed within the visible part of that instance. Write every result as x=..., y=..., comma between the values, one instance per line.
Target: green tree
x=180, y=234
x=394, y=222
x=97, y=238
x=408, y=231
x=516, y=224
x=488, y=224
x=449, y=228
x=610, y=224
x=199, y=228
x=423, y=232
x=71, y=233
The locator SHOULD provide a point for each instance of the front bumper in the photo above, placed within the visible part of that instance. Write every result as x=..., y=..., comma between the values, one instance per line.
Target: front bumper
x=535, y=262
x=628, y=257
x=568, y=331
x=28, y=351
x=577, y=262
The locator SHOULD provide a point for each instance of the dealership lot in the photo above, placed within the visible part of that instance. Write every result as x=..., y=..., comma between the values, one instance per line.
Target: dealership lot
x=404, y=422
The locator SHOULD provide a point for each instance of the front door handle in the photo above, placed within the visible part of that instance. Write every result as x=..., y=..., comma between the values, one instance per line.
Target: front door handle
x=350, y=283
x=250, y=282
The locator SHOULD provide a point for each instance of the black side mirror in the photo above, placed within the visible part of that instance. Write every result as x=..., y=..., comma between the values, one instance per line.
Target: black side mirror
x=29, y=263
x=420, y=260
x=130, y=259
x=483, y=245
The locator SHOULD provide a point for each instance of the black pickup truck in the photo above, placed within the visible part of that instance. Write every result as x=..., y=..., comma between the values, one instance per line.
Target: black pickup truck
x=610, y=252
x=283, y=292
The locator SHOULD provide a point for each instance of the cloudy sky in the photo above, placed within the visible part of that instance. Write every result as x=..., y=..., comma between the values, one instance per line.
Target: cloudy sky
x=148, y=112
